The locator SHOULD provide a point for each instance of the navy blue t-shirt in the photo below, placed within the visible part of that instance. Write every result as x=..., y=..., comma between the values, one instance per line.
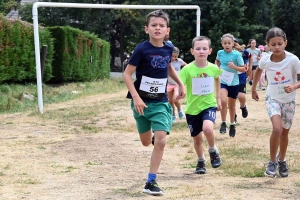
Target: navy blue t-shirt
x=152, y=62
x=243, y=76
x=246, y=56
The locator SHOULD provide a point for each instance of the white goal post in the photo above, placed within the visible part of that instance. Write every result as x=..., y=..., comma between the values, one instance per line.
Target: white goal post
x=83, y=5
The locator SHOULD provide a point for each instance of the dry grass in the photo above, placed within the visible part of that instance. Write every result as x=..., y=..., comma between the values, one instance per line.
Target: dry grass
x=88, y=148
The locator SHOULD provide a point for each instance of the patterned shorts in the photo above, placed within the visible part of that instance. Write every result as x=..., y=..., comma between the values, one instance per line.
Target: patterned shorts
x=285, y=110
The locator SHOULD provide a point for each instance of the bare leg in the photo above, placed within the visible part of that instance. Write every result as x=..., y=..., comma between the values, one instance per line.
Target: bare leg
x=198, y=144
x=242, y=99
x=172, y=100
x=208, y=132
x=275, y=136
x=158, y=151
x=231, y=105
x=224, y=100
x=284, y=141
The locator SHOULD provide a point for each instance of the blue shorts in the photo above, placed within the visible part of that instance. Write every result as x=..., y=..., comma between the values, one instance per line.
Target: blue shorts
x=243, y=78
x=158, y=117
x=242, y=88
x=233, y=91
x=195, y=122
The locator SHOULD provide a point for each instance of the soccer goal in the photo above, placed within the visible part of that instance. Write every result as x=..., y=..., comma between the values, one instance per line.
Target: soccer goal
x=82, y=5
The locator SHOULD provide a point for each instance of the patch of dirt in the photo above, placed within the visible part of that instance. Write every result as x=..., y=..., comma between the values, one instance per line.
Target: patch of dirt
x=88, y=149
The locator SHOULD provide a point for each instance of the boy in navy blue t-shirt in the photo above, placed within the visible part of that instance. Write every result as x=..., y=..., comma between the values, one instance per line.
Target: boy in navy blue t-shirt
x=151, y=60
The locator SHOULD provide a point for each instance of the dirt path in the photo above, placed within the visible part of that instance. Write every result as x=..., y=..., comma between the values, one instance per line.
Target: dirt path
x=89, y=149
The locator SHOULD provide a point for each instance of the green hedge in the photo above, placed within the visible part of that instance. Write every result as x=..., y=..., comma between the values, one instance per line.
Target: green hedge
x=79, y=56
x=17, y=63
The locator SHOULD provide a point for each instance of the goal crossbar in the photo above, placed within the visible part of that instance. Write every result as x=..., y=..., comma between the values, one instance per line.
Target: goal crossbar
x=36, y=5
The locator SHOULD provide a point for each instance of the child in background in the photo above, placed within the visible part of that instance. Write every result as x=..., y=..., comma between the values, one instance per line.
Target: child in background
x=172, y=88
x=282, y=68
x=263, y=74
x=243, y=77
x=255, y=52
x=230, y=62
x=267, y=50
x=151, y=60
x=201, y=103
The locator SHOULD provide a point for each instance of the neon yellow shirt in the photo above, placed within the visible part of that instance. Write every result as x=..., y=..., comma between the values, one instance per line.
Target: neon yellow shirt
x=197, y=103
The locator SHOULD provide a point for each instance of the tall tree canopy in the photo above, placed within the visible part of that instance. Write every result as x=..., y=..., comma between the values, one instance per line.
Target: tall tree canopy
x=124, y=28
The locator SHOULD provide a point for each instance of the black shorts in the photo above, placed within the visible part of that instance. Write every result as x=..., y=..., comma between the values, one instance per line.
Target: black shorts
x=254, y=67
x=195, y=122
x=242, y=88
x=233, y=91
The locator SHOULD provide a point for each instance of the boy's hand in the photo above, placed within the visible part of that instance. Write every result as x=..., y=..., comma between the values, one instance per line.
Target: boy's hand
x=219, y=104
x=181, y=92
x=139, y=105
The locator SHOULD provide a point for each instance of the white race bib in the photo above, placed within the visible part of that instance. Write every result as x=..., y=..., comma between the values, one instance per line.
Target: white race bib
x=277, y=81
x=227, y=77
x=202, y=86
x=153, y=88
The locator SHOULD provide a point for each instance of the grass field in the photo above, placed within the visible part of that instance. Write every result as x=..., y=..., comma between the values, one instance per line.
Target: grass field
x=85, y=146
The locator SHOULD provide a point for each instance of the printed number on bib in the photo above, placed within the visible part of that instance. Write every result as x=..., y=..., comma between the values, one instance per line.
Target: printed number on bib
x=153, y=88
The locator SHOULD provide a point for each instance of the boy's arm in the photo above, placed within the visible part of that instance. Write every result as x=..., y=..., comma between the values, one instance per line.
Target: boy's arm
x=139, y=104
x=217, y=89
x=173, y=74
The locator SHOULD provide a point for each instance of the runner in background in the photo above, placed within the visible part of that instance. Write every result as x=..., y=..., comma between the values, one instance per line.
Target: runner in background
x=243, y=77
x=177, y=64
x=230, y=62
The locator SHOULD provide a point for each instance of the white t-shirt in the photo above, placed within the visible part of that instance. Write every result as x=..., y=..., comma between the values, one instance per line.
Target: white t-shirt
x=254, y=54
x=280, y=74
x=177, y=66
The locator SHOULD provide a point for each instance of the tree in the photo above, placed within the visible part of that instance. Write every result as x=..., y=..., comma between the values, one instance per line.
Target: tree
x=7, y=5
x=226, y=17
x=285, y=15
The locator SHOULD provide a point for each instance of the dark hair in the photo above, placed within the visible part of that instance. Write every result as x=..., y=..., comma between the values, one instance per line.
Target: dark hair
x=200, y=38
x=275, y=32
x=158, y=13
x=249, y=43
x=227, y=35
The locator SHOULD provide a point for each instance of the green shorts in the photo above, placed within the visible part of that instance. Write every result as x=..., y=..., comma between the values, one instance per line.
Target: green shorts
x=158, y=117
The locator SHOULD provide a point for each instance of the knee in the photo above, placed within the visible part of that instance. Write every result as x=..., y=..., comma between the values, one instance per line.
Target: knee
x=146, y=143
x=207, y=131
x=160, y=143
x=198, y=141
x=171, y=101
x=224, y=101
x=277, y=130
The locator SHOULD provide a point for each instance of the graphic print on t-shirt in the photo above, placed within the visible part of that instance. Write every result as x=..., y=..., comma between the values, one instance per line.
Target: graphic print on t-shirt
x=160, y=62
x=277, y=81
